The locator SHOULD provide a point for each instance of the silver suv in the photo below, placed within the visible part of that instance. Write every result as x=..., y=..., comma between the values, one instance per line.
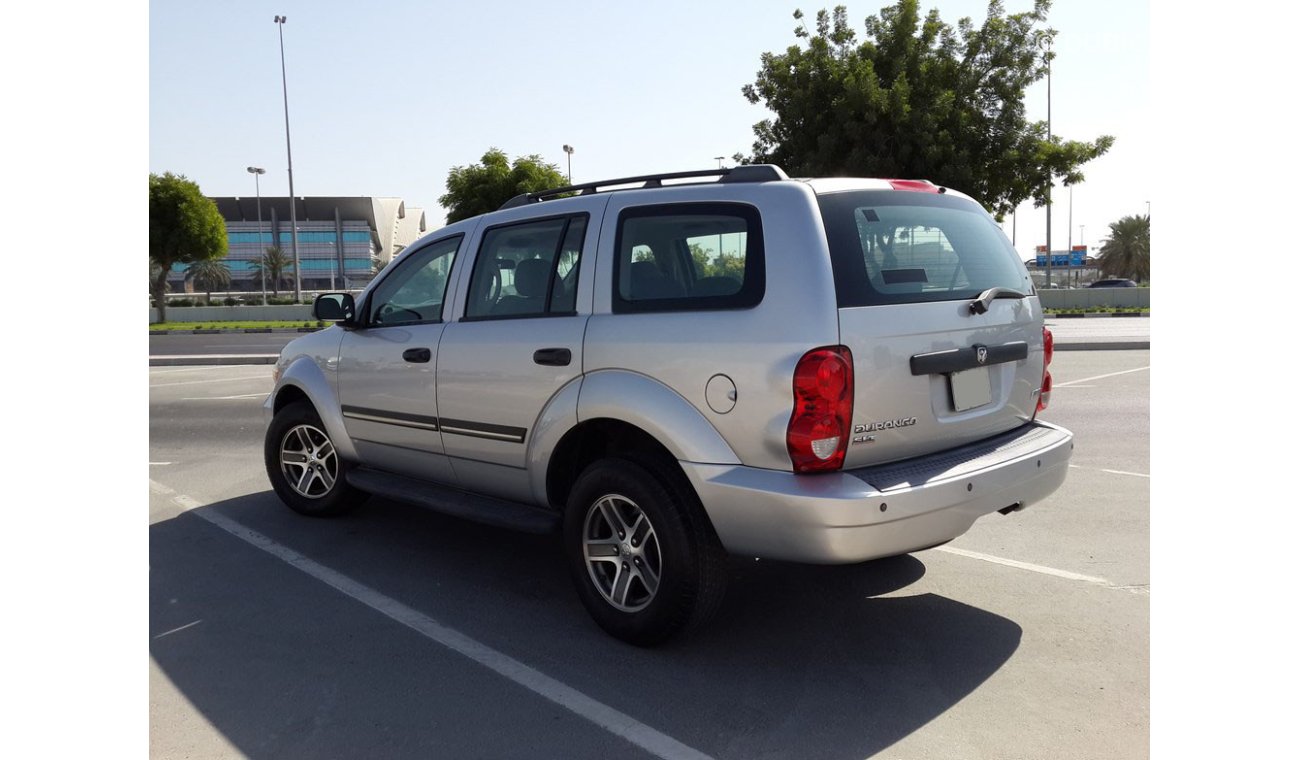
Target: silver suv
x=674, y=368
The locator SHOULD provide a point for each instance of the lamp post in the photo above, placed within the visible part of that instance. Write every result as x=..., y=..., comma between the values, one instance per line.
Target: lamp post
x=1045, y=42
x=719, y=160
x=568, y=149
x=293, y=205
x=257, y=173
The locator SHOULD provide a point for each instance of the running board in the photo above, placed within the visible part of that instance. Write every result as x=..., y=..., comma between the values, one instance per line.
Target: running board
x=484, y=509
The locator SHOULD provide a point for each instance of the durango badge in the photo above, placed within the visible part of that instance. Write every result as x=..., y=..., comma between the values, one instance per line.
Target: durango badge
x=885, y=425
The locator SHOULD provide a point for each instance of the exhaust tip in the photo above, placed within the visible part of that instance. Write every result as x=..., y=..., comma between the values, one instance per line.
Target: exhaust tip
x=1013, y=508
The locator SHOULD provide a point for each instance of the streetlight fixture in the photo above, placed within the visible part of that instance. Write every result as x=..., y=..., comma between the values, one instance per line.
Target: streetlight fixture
x=257, y=173
x=719, y=160
x=293, y=205
x=568, y=149
x=1045, y=42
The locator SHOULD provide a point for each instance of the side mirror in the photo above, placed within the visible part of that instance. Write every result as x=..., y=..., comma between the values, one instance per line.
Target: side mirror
x=334, y=307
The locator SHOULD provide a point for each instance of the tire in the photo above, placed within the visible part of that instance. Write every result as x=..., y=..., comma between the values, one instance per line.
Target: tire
x=649, y=584
x=317, y=486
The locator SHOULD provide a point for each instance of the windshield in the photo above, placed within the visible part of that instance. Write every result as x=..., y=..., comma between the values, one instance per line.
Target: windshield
x=892, y=247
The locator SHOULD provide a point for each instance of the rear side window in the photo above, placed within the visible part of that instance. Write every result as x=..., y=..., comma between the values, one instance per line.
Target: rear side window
x=892, y=247
x=688, y=256
x=529, y=269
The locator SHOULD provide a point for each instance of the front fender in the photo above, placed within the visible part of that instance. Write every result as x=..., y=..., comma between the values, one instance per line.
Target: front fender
x=304, y=374
x=656, y=409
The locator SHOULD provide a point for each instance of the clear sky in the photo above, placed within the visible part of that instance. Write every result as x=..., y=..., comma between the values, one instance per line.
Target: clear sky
x=386, y=96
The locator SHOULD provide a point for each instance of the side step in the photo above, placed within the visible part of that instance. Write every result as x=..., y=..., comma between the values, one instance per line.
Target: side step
x=440, y=498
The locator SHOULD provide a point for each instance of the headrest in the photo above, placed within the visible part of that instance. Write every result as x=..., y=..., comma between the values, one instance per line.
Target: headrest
x=531, y=276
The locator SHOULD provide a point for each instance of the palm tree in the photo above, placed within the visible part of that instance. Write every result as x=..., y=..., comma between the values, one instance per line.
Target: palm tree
x=208, y=275
x=277, y=264
x=1127, y=252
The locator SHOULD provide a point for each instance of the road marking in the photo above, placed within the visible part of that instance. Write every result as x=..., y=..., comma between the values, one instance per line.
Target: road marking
x=1099, y=377
x=1066, y=574
x=179, y=370
x=174, y=630
x=618, y=723
x=152, y=464
x=213, y=380
x=1121, y=472
x=224, y=398
x=1112, y=472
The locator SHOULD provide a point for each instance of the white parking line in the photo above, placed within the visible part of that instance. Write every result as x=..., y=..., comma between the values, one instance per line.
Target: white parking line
x=618, y=723
x=1097, y=377
x=1112, y=472
x=1066, y=574
x=174, y=630
x=224, y=398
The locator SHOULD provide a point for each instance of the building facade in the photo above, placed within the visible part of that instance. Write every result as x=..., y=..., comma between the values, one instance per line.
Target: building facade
x=342, y=241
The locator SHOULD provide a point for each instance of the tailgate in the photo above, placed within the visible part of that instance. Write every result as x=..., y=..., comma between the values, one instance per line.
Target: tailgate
x=919, y=386
x=930, y=372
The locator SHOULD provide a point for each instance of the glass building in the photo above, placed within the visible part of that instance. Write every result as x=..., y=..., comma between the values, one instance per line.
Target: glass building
x=342, y=242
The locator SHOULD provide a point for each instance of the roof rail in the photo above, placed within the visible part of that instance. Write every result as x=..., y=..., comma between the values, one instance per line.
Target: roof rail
x=743, y=173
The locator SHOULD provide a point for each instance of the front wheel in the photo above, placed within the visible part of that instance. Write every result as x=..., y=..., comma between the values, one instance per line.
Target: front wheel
x=303, y=465
x=641, y=552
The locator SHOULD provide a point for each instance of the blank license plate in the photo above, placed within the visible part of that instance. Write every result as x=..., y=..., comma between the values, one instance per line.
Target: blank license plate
x=970, y=388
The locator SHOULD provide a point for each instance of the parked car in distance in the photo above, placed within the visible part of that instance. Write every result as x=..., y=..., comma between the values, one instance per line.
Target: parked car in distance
x=709, y=363
x=1113, y=283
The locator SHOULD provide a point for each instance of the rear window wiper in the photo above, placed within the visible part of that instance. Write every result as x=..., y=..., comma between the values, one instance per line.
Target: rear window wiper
x=981, y=304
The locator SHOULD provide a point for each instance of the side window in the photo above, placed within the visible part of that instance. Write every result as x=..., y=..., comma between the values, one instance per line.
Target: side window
x=689, y=256
x=527, y=269
x=415, y=291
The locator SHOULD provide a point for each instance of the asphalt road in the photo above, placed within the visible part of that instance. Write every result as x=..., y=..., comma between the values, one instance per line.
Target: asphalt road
x=395, y=632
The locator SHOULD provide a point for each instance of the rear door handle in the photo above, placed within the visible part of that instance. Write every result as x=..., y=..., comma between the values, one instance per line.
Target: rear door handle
x=417, y=354
x=553, y=357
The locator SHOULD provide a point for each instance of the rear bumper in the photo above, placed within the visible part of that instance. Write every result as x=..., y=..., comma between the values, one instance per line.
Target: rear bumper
x=857, y=515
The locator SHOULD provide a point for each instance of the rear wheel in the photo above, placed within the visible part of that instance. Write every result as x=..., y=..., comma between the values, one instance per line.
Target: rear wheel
x=304, y=467
x=646, y=563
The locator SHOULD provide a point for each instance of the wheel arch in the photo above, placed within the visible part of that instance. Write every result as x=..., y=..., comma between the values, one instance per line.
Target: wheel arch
x=302, y=380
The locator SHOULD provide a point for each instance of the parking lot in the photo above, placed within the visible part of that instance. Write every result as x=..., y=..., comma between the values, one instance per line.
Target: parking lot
x=397, y=632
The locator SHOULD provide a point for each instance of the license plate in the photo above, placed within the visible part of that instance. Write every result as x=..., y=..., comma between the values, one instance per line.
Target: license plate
x=970, y=388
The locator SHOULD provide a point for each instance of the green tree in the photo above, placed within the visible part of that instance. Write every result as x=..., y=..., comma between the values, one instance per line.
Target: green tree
x=918, y=99
x=184, y=228
x=208, y=275
x=277, y=265
x=1127, y=252
x=483, y=187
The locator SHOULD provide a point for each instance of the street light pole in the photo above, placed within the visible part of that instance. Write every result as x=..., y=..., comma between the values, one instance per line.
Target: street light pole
x=568, y=150
x=257, y=173
x=719, y=160
x=293, y=205
x=1045, y=42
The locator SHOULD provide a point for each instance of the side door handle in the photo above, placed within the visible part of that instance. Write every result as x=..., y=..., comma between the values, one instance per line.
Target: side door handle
x=417, y=354
x=553, y=357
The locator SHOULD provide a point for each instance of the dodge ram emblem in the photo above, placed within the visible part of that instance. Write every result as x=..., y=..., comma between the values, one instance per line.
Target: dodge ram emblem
x=981, y=354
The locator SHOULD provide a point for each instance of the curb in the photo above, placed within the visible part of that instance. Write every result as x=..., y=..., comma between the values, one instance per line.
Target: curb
x=1097, y=315
x=211, y=359
x=224, y=330
x=1114, y=345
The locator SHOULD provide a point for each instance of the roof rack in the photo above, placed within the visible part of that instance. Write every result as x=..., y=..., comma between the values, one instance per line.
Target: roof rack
x=743, y=173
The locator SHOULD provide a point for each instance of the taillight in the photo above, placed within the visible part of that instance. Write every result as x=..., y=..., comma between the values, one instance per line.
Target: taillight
x=1045, y=389
x=818, y=433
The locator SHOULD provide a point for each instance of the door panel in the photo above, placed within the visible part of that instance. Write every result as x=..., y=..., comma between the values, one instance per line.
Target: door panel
x=523, y=309
x=388, y=367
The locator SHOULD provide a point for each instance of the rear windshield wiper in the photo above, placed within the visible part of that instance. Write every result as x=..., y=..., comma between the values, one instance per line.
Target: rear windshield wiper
x=981, y=304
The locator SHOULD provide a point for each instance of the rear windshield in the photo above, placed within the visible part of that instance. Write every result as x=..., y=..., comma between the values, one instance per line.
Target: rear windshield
x=889, y=246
